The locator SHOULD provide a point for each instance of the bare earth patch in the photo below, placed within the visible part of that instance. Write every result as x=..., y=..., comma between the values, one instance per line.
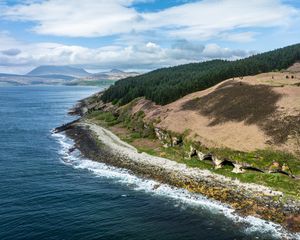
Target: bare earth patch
x=146, y=143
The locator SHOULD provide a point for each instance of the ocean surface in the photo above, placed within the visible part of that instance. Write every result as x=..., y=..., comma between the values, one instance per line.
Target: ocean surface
x=48, y=193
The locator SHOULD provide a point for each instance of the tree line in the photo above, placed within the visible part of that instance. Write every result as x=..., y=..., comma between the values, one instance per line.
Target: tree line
x=169, y=84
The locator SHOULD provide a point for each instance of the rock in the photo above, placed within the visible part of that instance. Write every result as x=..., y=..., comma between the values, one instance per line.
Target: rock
x=84, y=110
x=192, y=152
x=72, y=149
x=238, y=168
x=285, y=168
x=176, y=141
x=156, y=186
x=217, y=162
x=163, y=137
x=201, y=155
x=275, y=167
x=166, y=145
x=65, y=126
x=158, y=134
x=293, y=223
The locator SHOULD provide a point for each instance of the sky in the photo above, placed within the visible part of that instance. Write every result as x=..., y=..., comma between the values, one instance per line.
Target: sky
x=140, y=35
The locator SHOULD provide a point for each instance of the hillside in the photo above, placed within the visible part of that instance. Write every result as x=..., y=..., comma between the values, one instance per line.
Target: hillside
x=256, y=112
x=248, y=125
x=58, y=70
x=166, y=85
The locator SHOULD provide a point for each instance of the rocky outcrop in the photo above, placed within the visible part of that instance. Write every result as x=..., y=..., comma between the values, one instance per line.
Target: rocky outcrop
x=238, y=168
x=163, y=137
x=201, y=155
x=276, y=167
x=176, y=141
x=218, y=163
x=192, y=152
x=65, y=126
x=168, y=140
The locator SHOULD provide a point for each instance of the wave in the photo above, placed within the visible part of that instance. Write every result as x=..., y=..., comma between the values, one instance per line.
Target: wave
x=73, y=158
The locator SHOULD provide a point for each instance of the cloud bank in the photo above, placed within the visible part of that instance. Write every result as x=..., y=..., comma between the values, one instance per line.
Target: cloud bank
x=143, y=55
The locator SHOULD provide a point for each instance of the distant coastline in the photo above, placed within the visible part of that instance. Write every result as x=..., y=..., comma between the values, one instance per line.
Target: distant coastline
x=64, y=75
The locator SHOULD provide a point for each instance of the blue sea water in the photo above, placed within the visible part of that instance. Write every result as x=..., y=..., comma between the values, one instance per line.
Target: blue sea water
x=47, y=193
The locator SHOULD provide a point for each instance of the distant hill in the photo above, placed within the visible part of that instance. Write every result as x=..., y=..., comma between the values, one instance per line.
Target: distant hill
x=64, y=75
x=166, y=85
x=112, y=75
x=116, y=71
x=57, y=76
x=58, y=70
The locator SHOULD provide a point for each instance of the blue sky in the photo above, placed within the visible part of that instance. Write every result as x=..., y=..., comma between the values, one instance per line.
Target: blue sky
x=140, y=34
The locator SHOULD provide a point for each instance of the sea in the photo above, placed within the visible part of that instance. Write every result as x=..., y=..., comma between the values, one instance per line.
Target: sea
x=48, y=192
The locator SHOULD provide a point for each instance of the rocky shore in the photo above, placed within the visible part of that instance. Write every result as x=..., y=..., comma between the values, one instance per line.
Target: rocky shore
x=99, y=144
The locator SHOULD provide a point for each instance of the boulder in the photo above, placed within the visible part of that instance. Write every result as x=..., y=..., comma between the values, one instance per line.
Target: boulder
x=201, y=155
x=285, y=168
x=192, y=152
x=217, y=162
x=176, y=141
x=275, y=167
x=238, y=168
x=293, y=223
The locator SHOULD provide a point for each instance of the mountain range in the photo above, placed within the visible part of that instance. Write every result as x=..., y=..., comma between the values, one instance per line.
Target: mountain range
x=64, y=75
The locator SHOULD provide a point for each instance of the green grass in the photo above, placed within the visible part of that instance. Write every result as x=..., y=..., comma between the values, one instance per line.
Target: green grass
x=129, y=138
x=261, y=159
x=103, y=117
x=278, y=181
x=150, y=151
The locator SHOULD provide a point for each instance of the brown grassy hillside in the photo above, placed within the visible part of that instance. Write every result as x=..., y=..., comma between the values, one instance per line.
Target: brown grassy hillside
x=249, y=113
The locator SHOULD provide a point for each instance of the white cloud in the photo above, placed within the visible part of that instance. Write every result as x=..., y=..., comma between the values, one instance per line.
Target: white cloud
x=76, y=18
x=239, y=37
x=206, y=19
x=215, y=51
x=140, y=35
x=147, y=55
x=6, y=41
x=197, y=20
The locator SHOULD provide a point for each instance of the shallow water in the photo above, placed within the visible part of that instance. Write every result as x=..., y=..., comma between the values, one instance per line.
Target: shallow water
x=47, y=193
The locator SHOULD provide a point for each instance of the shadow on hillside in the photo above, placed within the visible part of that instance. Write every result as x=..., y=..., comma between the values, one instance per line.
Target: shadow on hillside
x=253, y=104
x=234, y=101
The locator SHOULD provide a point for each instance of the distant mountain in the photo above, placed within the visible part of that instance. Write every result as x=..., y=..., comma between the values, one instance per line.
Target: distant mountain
x=64, y=75
x=116, y=71
x=58, y=70
x=57, y=76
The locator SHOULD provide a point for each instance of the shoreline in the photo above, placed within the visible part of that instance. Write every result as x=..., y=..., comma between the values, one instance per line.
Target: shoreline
x=99, y=144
